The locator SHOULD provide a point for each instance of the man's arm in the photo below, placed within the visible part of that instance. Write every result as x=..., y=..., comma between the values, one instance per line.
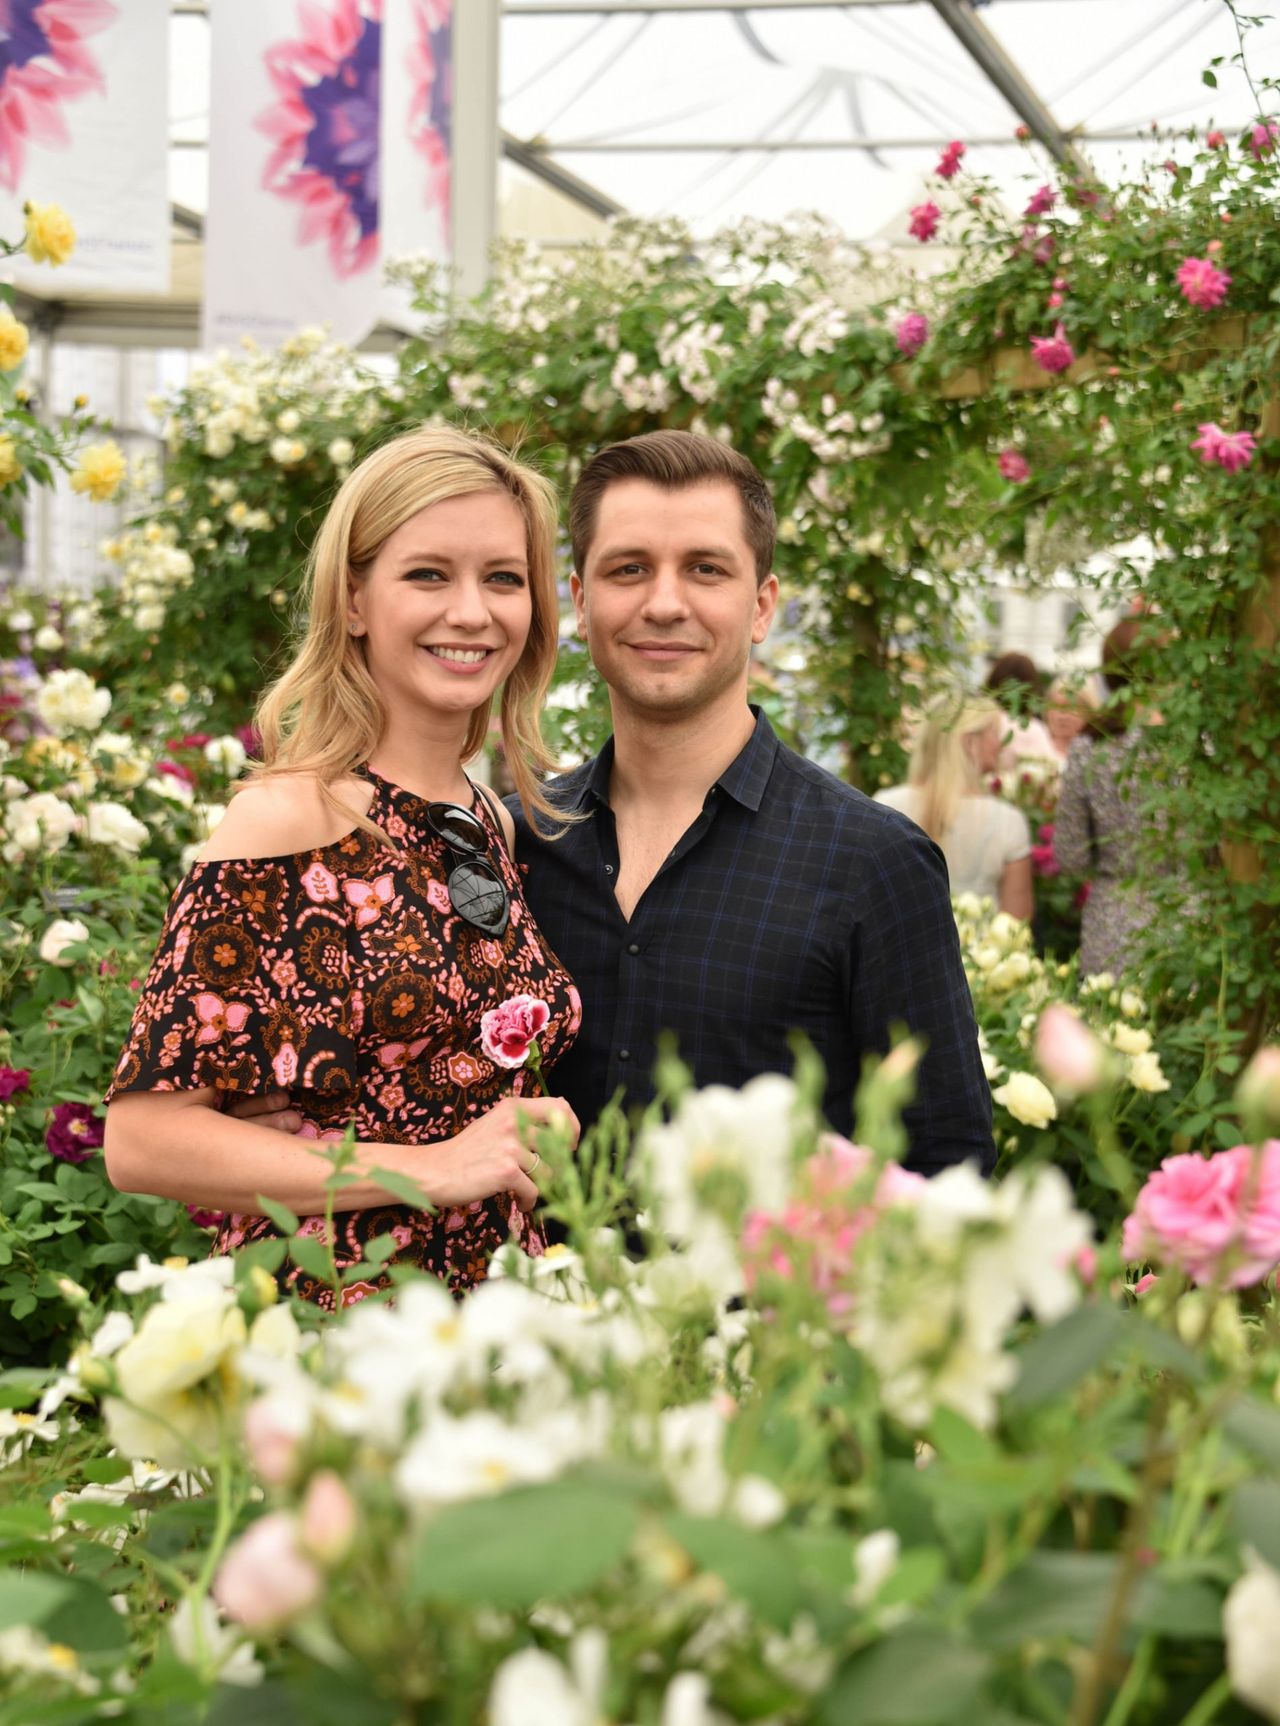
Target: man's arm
x=905, y=970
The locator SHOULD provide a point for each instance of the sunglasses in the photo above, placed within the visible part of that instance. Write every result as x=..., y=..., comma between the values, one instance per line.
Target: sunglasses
x=476, y=891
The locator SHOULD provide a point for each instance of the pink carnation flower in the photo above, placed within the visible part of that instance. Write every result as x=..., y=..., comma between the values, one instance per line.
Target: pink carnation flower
x=1203, y=284
x=924, y=220
x=949, y=161
x=1229, y=450
x=1041, y=201
x=912, y=333
x=507, y=1032
x=1216, y=1218
x=1014, y=466
x=1053, y=353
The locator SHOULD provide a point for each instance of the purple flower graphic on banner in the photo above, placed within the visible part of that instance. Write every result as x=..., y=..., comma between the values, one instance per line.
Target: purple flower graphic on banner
x=325, y=128
x=43, y=63
x=431, y=116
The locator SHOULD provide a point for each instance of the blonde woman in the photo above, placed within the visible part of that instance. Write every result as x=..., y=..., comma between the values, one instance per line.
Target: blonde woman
x=986, y=841
x=354, y=933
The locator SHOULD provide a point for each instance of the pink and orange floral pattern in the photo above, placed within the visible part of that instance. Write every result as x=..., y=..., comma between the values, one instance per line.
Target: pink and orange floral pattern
x=343, y=976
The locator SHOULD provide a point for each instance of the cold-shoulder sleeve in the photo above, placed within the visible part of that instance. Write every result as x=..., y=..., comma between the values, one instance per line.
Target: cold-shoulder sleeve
x=250, y=987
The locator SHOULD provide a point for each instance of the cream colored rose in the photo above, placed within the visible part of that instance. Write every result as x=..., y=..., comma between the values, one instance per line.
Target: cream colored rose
x=51, y=236
x=1129, y=1039
x=13, y=340
x=1145, y=1073
x=177, y=1377
x=62, y=933
x=1027, y=1099
x=1251, y=1624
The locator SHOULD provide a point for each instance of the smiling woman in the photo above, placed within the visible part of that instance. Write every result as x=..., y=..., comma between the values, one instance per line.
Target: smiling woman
x=357, y=918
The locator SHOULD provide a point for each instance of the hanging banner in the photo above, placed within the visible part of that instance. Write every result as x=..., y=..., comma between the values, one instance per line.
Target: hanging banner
x=417, y=136
x=292, y=232
x=84, y=120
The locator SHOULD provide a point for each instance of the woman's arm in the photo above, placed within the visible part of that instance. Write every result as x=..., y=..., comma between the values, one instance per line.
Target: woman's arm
x=176, y=1145
x=1015, y=893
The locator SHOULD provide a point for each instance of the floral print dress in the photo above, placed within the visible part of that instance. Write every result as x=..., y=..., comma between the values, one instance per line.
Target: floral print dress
x=343, y=976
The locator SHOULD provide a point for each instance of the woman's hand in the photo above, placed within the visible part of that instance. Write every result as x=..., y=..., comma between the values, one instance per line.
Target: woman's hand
x=494, y=1154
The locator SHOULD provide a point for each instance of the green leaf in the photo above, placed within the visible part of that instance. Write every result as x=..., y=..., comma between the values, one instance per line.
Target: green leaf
x=26, y=1597
x=1059, y=1357
x=405, y=1188
x=755, y=1565
x=312, y=1256
x=1255, y=1512
x=1207, y=77
x=1052, y=1595
x=21, y=1385
x=497, y=1551
x=1255, y=1426
x=916, y=1677
x=280, y=1215
x=1178, y=1606
x=106, y=1471
x=86, y=1621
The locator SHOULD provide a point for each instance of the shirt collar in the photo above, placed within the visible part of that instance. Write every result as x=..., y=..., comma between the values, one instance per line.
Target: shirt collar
x=745, y=779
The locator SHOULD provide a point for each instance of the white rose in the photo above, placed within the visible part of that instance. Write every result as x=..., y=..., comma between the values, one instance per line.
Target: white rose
x=757, y=1502
x=41, y=823
x=47, y=638
x=71, y=701
x=1027, y=1099
x=289, y=420
x=177, y=695
x=20, y=621
x=1013, y=969
x=62, y=933
x=1129, y=1039
x=148, y=618
x=228, y=754
x=1251, y=1624
x=1132, y=1004
x=112, y=824
x=341, y=451
x=1145, y=1073
x=174, y=1374
x=875, y=1558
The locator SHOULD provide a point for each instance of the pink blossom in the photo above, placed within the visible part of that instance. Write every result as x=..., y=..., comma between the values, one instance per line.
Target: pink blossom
x=1145, y=1283
x=924, y=220
x=949, y=161
x=1203, y=284
x=1261, y=140
x=1014, y=466
x=506, y=1032
x=1055, y=300
x=912, y=333
x=265, y=1578
x=1229, y=450
x=74, y=1132
x=329, y=1519
x=1215, y=140
x=1216, y=1218
x=204, y=1219
x=1067, y=1052
x=1041, y=202
x=1053, y=353
x=272, y=1436
x=12, y=1081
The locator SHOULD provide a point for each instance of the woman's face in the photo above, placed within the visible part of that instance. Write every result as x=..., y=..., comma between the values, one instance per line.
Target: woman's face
x=1064, y=721
x=446, y=605
x=986, y=746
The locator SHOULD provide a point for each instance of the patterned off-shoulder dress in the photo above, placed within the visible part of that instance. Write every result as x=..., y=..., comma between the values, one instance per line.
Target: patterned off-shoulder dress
x=343, y=976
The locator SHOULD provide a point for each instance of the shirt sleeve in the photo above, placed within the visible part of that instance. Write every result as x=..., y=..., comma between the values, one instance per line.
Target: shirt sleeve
x=240, y=999
x=905, y=971
x=1017, y=835
x=1071, y=836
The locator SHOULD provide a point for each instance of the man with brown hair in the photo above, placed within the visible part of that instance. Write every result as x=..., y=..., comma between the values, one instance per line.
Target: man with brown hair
x=716, y=884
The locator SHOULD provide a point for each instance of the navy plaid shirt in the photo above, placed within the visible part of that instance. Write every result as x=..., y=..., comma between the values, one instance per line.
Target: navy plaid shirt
x=793, y=903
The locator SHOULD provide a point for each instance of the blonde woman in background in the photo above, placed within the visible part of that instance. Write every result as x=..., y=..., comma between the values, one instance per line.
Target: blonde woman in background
x=986, y=841
x=354, y=934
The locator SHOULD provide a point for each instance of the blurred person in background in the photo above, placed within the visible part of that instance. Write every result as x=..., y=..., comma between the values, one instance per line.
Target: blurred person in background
x=1103, y=827
x=986, y=841
x=1014, y=681
x=1068, y=708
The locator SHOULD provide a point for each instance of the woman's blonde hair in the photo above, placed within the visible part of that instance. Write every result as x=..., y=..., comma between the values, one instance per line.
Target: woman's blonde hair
x=942, y=769
x=324, y=715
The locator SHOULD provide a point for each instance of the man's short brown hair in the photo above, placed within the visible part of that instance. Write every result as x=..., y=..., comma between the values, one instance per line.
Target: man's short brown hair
x=674, y=460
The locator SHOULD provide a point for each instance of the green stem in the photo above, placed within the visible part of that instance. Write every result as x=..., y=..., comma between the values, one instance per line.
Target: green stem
x=1134, y=1682
x=1206, y=1709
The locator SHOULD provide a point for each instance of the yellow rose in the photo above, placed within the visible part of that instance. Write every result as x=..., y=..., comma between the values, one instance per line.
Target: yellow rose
x=10, y=466
x=51, y=238
x=13, y=340
x=1027, y=1100
x=102, y=468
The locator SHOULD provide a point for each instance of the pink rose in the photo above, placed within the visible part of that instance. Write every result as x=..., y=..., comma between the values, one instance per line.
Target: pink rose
x=912, y=333
x=1068, y=1053
x=1041, y=202
x=950, y=159
x=266, y=1579
x=273, y=1431
x=507, y=1031
x=924, y=220
x=1053, y=353
x=1229, y=450
x=1203, y=284
x=1261, y=140
x=1216, y=1218
x=1215, y=140
x=328, y=1527
x=1014, y=466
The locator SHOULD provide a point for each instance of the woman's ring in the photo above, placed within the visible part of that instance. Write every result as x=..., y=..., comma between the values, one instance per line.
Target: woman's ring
x=537, y=1158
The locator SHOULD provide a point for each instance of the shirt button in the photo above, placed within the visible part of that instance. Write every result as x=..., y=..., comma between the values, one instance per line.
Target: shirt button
x=608, y=868
x=633, y=947
x=624, y=1054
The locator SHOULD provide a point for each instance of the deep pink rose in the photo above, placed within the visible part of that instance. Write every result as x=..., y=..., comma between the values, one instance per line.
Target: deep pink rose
x=176, y=770
x=1261, y=140
x=13, y=1080
x=507, y=1031
x=251, y=738
x=950, y=159
x=1203, y=284
x=1014, y=466
x=1053, y=353
x=1216, y=1218
x=1041, y=202
x=205, y=1219
x=912, y=333
x=924, y=220
x=74, y=1132
x=1229, y=450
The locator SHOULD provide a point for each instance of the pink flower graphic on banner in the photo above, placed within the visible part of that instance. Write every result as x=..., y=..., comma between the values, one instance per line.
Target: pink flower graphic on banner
x=430, y=128
x=43, y=63
x=324, y=126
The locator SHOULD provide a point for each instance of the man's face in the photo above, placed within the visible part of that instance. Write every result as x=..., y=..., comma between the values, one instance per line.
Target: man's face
x=668, y=603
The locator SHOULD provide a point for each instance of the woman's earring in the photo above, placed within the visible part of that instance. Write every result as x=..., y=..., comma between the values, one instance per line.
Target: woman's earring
x=355, y=629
